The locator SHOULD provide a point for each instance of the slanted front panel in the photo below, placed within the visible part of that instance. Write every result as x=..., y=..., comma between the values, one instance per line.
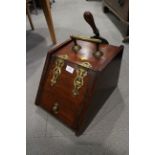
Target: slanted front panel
x=65, y=83
x=64, y=90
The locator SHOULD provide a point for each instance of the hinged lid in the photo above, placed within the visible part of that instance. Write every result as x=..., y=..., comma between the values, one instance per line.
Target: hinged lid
x=85, y=54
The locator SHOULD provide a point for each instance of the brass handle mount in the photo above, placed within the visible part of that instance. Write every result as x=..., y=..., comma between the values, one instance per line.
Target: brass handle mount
x=77, y=47
x=97, y=54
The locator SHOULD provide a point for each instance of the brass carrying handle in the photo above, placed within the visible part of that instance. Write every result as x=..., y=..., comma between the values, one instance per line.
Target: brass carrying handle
x=97, y=54
x=84, y=38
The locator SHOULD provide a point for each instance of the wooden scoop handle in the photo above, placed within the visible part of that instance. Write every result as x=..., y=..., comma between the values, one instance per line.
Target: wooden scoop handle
x=90, y=20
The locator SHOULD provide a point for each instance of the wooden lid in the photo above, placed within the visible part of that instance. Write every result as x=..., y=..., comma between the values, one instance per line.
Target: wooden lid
x=85, y=53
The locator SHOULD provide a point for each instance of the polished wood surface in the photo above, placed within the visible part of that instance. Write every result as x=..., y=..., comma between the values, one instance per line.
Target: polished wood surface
x=77, y=111
x=86, y=54
x=102, y=87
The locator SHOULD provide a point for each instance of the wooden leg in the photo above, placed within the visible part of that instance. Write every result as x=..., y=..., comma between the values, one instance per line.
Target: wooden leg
x=47, y=12
x=29, y=16
x=35, y=7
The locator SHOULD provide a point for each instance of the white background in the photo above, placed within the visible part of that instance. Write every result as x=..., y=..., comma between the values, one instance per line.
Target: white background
x=13, y=77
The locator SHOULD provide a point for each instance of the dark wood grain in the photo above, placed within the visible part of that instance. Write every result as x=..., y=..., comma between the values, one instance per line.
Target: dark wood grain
x=77, y=111
x=104, y=84
x=109, y=52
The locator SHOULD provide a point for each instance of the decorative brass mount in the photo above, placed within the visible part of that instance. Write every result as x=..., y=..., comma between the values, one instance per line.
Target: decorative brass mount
x=85, y=64
x=59, y=63
x=81, y=73
x=97, y=54
x=78, y=82
x=63, y=56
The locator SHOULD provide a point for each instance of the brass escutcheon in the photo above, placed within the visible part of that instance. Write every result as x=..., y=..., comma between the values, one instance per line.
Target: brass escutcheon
x=59, y=63
x=78, y=82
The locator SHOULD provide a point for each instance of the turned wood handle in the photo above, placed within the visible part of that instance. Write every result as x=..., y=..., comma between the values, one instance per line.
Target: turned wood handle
x=90, y=20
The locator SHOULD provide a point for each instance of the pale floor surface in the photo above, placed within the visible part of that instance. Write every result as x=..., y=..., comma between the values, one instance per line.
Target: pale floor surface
x=108, y=132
